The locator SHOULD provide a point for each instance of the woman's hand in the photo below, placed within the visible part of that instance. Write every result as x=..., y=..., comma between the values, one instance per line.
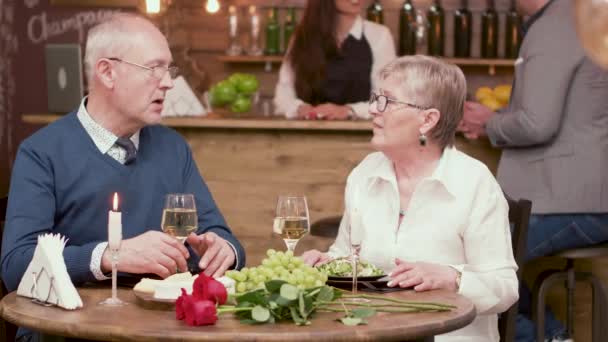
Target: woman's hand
x=314, y=258
x=330, y=111
x=423, y=276
x=306, y=112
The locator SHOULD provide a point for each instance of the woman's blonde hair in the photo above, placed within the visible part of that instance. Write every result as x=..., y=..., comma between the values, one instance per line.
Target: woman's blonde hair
x=431, y=83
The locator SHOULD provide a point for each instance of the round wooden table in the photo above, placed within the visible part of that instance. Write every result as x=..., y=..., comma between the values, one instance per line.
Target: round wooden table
x=137, y=322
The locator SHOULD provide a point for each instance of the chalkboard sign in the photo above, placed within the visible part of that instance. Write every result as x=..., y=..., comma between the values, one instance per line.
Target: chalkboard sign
x=96, y=3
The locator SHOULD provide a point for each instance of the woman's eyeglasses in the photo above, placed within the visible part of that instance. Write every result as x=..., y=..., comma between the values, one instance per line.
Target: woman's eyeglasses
x=382, y=102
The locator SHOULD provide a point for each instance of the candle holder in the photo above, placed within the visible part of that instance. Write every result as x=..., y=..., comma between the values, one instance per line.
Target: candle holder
x=254, y=43
x=114, y=242
x=234, y=48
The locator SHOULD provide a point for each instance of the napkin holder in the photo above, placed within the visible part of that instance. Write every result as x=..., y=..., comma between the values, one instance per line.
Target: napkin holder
x=46, y=279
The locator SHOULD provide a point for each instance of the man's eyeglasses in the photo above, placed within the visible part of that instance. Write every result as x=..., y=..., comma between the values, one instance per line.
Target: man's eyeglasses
x=157, y=71
x=382, y=102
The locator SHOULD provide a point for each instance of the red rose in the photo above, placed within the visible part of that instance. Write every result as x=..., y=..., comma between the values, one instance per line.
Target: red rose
x=201, y=312
x=195, y=311
x=207, y=288
x=179, y=305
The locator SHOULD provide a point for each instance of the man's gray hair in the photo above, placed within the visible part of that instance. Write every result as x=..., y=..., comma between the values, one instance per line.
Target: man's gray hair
x=431, y=83
x=110, y=38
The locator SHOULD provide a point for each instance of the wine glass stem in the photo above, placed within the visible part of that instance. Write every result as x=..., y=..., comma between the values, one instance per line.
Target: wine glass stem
x=291, y=244
x=354, y=261
x=114, y=274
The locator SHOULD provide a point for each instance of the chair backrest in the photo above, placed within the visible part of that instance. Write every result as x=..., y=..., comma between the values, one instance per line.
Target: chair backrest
x=7, y=330
x=519, y=216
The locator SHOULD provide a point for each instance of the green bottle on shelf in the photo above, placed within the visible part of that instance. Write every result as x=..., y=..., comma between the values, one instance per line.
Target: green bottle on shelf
x=375, y=12
x=272, y=33
x=407, y=29
x=436, y=29
x=288, y=27
x=462, y=30
x=489, y=31
x=512, y=33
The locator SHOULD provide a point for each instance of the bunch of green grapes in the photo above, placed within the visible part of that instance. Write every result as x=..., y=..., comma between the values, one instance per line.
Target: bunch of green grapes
x=277, y=266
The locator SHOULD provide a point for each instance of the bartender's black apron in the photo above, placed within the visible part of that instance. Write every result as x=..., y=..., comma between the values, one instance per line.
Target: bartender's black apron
x=347, y=77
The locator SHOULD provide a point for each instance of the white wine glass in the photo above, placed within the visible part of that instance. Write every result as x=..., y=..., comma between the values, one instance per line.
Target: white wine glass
x=291, y=220
x=355, y=237
x=179, y=216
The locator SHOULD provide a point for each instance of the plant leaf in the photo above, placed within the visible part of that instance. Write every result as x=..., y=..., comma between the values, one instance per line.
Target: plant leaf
x=352, y=321
x=255, y=297
x=289, y=292
x=326, y=294
x=362, y=312
x=274, y=286
x=260, y=314
x=295, y=316
x=302, y=305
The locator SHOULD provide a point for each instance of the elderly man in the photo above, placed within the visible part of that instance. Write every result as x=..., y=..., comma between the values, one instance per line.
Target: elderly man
x=65, y=174
x=553, y=136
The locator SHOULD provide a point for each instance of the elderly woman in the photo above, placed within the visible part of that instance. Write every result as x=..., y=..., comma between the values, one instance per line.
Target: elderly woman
x=430, y=216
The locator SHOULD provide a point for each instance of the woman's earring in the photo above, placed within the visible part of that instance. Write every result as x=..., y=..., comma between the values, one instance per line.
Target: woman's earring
x=422, y=139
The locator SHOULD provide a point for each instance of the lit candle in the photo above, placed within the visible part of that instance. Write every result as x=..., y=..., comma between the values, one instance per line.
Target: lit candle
x=114, y=226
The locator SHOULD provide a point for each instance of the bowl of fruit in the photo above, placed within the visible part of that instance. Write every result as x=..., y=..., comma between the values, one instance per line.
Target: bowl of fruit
x=235, y=94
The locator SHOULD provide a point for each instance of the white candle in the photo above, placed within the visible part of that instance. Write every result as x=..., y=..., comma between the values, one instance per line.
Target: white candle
x=114, y=226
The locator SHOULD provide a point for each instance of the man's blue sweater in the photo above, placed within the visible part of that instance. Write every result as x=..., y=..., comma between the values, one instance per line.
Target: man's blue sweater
x=61, y=183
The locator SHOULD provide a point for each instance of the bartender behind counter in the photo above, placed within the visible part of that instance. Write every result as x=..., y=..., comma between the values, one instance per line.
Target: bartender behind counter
x=332, y=64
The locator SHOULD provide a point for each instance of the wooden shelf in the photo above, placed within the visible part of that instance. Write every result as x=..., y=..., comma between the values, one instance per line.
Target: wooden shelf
x=268, y=60
x=250, y=59
x=481, y=62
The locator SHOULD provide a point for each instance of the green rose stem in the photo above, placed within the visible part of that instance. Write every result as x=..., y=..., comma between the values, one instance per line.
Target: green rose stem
x=388, y=299
x=379, y=305
x=330, y=309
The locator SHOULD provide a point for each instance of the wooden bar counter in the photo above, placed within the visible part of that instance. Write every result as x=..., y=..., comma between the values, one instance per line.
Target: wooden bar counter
x=248, y=161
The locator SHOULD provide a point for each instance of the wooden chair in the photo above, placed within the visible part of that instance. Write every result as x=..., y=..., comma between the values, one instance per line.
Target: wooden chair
x=519, y=216
x=7, y=330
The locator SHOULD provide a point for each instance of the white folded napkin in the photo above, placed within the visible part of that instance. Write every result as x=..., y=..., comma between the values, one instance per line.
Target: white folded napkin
x=181, y=101
x=46, y=278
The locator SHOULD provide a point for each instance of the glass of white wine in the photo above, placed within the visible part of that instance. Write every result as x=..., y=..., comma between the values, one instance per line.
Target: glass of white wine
x=179, y=216
x=355, y=236
x=292, y=220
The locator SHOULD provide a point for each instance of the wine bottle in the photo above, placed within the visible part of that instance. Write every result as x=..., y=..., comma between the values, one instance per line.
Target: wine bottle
x=489, y=31
x=462, y=30
x=407, y=29
x=272, y=33
x=513, y=34
x=436, y=33
x=288, y=27
x=375, y=12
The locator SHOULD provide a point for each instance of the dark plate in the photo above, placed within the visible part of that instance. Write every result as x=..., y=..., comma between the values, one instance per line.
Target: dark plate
x=349, y=279
x=379, y=285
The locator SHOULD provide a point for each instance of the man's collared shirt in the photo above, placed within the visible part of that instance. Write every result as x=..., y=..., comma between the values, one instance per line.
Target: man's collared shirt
x=458, y=217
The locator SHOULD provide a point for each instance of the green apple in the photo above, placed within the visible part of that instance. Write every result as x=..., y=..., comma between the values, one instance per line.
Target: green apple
x=223, y=93
x=242, y=104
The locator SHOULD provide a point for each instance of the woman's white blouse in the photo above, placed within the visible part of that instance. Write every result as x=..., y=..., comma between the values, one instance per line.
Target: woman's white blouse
x=382, y=45
x=456, y=217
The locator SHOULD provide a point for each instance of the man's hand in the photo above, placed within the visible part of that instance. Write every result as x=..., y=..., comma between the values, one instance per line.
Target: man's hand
x=151, y=252
x=423, y=276
x=216, y=254
x=314, y=258
x=473, y=124
x=330, y=111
